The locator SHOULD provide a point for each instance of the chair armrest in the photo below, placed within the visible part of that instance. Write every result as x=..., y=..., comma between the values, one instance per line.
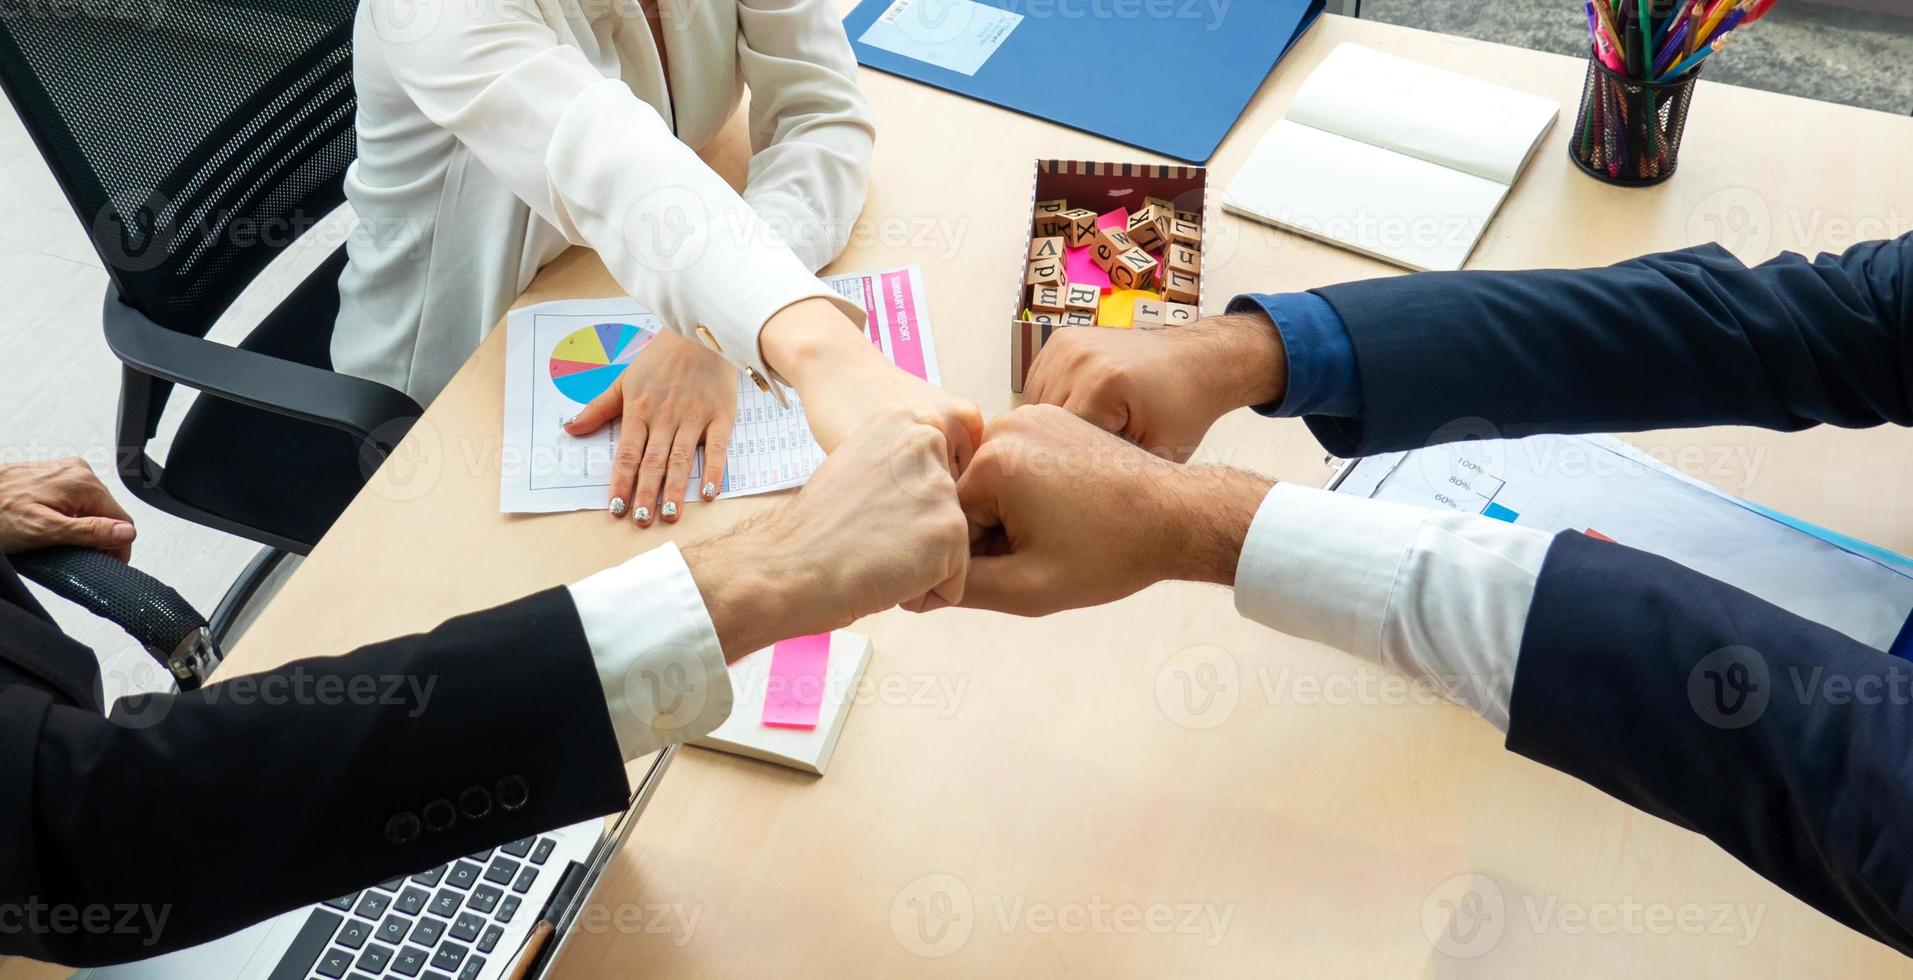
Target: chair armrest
x=355, y=405
x=147, y=609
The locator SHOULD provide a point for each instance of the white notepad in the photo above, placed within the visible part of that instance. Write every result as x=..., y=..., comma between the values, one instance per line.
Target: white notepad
x=1391, y=158
x=803, y=749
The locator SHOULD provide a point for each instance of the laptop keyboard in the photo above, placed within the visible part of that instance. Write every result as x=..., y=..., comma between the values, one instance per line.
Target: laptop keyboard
x=439, y=925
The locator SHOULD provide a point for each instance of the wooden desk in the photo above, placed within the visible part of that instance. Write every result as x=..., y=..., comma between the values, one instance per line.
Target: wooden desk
x=1042, y=790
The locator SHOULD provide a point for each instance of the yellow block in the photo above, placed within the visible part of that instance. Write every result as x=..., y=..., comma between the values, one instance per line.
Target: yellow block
x=1119, y=308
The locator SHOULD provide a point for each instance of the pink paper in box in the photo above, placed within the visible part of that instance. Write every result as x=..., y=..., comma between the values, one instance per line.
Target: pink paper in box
x=795, y=693
x=1081, y=270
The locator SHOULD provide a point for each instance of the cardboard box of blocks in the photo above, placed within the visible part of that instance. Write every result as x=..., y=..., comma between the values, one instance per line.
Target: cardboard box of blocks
x=1124, y=228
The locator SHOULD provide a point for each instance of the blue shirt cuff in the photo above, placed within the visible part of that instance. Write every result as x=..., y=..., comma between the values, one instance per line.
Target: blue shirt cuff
x=1323, y=376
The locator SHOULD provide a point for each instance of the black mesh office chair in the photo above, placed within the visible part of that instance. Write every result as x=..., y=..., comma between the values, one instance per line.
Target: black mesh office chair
x=195, y=139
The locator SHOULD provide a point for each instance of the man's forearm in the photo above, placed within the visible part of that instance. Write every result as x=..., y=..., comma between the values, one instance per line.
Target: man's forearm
x=1686, y=338
x=1315, y=372
x=1214, y=505
x=1432, y=593
x=1242, y=356
x=747, y=589
x=1729, y=716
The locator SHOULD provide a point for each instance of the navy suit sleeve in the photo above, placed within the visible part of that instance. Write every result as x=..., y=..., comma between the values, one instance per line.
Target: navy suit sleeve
x=1788, y=744
x=1684, y=338
x=1321, y=371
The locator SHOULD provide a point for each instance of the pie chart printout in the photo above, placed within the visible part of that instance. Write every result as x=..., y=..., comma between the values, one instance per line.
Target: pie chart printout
x=588, y=361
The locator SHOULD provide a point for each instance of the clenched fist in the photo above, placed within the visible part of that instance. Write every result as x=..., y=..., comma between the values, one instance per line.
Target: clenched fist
x=1064, y=515
x=877, y=525
x=1160, y=388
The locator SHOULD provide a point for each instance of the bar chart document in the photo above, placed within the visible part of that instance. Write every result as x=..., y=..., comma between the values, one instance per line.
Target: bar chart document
x=1605, y=488
x=561, y=355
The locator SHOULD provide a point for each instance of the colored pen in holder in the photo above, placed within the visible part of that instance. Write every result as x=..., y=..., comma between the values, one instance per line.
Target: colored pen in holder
x=1629, y=131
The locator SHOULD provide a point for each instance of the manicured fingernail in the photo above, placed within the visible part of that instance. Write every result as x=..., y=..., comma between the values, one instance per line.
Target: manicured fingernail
x=670, y=508
x=710, y=490
x=617, y=506
x=642, y=514
x=565, y=423
x=122, y=533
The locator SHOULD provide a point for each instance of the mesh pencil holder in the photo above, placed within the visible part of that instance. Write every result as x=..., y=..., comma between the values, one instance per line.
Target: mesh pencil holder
x=1629, y=131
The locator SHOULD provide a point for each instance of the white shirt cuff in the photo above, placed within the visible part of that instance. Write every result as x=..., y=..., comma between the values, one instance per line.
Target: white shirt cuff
x=658, y=656
x=740, y=240
x=1433, y=594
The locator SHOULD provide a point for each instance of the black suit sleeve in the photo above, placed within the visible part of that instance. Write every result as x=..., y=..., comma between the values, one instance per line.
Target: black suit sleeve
x=1685, y=338
x=1788, y=744
x=260, y=794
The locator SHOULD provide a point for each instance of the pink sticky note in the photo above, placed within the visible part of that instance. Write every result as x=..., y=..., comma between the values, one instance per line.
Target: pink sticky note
x=795, y=692
x=1117, y=219
x=1081, y=270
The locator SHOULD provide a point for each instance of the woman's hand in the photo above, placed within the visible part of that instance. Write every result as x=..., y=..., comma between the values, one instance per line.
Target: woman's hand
x=673, y=397
x=846, y=381
x=62, y=502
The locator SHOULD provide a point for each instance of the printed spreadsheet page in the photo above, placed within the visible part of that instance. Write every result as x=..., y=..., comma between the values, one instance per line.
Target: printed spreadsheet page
x=561, y=355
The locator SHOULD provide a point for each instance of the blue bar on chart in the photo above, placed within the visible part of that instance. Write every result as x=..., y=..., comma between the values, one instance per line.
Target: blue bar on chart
x=1499, y=512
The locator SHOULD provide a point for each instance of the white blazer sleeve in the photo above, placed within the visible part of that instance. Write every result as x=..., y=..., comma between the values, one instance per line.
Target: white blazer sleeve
x=811, y=130
x=597, y=162
x=658, y=655
x=1434, y=594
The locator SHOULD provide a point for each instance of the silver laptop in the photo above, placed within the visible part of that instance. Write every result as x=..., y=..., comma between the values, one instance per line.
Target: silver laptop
x=471, y=919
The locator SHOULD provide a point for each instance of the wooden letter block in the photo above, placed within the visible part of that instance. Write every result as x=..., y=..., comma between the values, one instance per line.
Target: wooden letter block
x=1110, y=243
x=1078, y=318
x=1179, y=287
x=1184, y=258
x=1051, y=207
x=1179, y=314
x=1051, y=225
x=1047, y=299
x=1045, y=272
x=1132, y=269
x=1085, y=298
x=1143, y=229
x=1162, y=205
x=1046, y=319
x=1046, y=248
x=1185, y=233
x=1192, y=217
x=1082, y=227
x=1165, y=220
x=1149, y=313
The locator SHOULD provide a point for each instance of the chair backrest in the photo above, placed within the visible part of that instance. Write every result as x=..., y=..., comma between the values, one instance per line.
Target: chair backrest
x=194, y=139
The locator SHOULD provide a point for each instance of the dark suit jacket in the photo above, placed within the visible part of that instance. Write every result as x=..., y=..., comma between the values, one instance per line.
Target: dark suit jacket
x=213, y=810
x=1786, y=743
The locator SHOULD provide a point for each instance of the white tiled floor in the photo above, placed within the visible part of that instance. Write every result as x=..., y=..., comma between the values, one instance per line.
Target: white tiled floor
x=59, y=389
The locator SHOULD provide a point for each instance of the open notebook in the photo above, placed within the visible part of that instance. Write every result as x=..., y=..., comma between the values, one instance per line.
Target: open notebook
x=803, y=749
x=1392, y=158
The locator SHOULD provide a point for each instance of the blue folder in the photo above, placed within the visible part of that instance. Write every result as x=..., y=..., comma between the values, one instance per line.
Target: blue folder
x=1170, y=76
